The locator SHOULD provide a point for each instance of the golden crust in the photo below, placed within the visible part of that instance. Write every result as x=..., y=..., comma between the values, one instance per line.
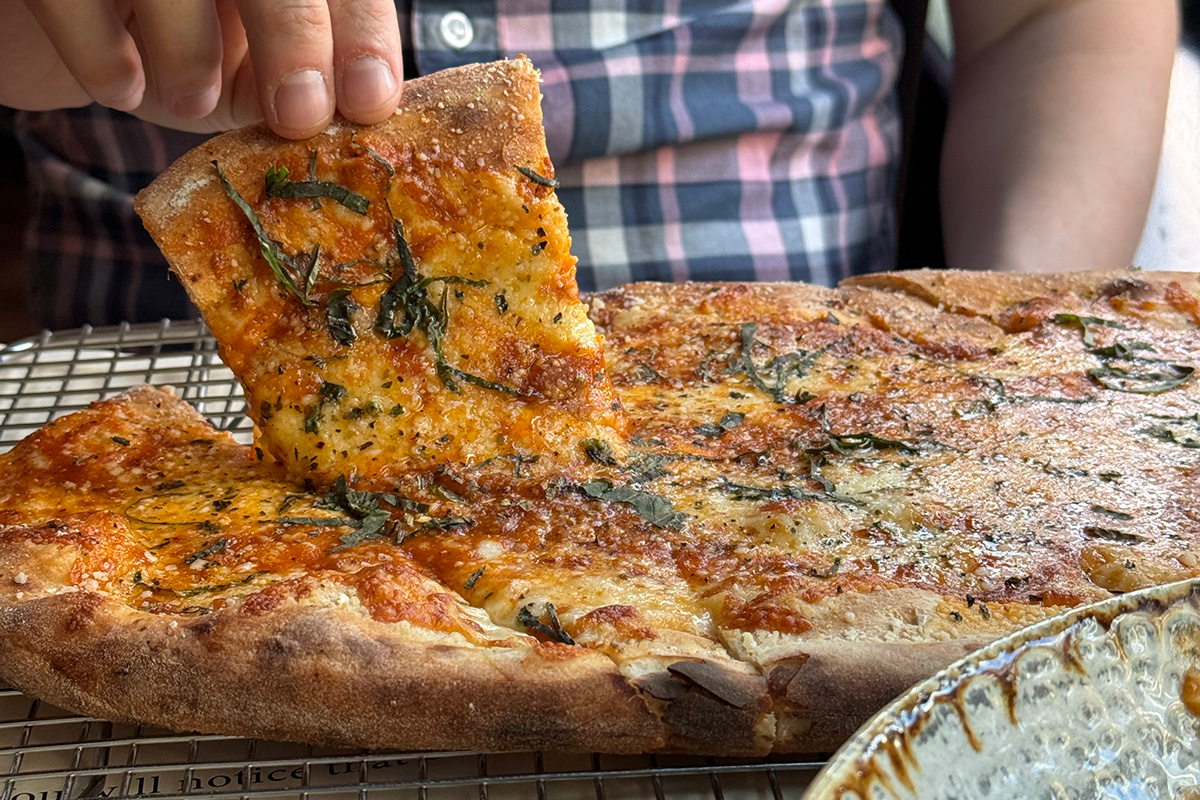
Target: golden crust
x=440, y=105
x=315, y=675
x=827, y=689
x=993, y=295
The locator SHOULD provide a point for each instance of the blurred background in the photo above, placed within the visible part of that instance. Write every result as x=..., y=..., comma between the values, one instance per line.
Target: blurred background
x=1171, y=239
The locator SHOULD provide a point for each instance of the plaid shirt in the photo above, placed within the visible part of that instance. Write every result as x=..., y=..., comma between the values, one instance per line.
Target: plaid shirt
x=693, y=139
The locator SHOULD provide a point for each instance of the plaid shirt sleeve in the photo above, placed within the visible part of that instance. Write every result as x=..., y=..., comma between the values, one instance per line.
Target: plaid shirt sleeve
x=694, y=140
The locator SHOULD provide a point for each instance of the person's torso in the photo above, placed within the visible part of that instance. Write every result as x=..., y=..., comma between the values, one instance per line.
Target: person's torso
x=693, y=140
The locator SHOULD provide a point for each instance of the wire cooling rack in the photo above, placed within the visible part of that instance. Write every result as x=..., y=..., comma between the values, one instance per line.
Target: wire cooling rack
x=50, y=754
x=56, y=373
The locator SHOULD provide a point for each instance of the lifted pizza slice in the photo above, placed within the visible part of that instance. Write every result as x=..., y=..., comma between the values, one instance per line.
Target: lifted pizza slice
x=395, y=296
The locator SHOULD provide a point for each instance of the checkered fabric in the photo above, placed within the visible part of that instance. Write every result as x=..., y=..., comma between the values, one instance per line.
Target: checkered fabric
x=701, y=140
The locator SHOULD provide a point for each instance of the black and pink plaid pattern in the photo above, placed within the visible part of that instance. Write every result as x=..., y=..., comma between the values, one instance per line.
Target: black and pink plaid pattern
x=701, y=140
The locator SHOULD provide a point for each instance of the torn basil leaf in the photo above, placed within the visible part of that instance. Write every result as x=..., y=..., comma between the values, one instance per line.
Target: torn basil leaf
x=1122, y=350
x=731, y=420
x=474, y=579
x=1164, y=378
x=339, y=307
x=330, y=393
x=653, y=508
x=368, y=520
x=645, y=468
x=289, y=500
x=446, y=524
x=369, y=527
x=220, y=587
x=1110, y=535
x=1083, y=322
x=538, y=179
x=275, y=257
x=320, y=522
x=553, y=630
x=743, y=491
x=600, y=451
x=1111, y=514
x=846, y=442
x=727, y=423
x=773, y=377
x=1183, y=431
x=408, y=305
x=278, y=185
x=446, y=371
x=211, y=550
x=760, y=494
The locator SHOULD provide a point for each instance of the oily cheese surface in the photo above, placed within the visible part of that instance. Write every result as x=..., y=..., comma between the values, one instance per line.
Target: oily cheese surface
x=398, y=295
x=824, y=495
x=156, y=571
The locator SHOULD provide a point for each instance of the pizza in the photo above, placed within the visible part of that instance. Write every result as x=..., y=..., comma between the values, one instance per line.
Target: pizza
x=378, y=297
x=708, y=518
x=156, y=570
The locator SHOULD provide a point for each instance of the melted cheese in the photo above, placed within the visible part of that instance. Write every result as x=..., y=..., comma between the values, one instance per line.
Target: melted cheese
x=968, y=489
x=180, y=519
x=983, y=465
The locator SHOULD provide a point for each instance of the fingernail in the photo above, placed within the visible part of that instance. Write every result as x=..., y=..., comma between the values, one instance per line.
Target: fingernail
x=302, y=100
x=367, y=83
x=199, y=104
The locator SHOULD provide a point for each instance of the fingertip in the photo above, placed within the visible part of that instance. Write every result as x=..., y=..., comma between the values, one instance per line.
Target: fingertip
x=368, y=58
x=301, y=104
x=368, y=90
x=124, y=86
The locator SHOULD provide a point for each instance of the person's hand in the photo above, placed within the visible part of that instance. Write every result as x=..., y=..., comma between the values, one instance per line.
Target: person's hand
x=205, y=65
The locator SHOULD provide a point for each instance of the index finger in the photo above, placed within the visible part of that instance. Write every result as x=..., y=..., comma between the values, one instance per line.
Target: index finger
x=366, y=53
x=291, y=48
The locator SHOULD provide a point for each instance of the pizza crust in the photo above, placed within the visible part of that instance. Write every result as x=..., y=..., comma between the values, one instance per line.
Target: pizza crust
x=993, y=295
x=317, y=675
x=827, y=689
x=457, y=105
x=309, y=656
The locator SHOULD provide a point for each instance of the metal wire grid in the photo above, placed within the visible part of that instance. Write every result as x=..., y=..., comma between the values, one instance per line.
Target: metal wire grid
x=50, y=754
x=53, y=374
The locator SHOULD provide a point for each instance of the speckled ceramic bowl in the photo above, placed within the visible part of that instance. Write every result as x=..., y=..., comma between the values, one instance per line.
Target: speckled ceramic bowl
x=1103, y=701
